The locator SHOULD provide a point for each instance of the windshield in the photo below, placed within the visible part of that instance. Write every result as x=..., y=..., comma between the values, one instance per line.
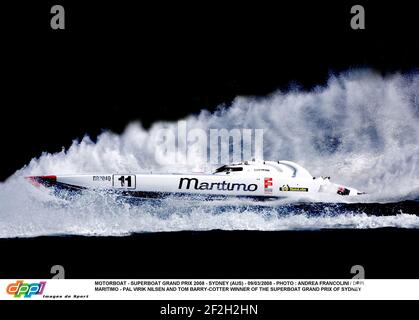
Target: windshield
x=228, y=169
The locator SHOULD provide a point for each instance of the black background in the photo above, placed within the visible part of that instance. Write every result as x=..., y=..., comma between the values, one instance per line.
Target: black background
x=124, y=61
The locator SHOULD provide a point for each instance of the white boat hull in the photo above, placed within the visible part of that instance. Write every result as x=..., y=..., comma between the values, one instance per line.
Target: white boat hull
x=279, y=179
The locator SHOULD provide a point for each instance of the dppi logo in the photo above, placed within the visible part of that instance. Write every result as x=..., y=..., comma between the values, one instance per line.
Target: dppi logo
x=20, y=288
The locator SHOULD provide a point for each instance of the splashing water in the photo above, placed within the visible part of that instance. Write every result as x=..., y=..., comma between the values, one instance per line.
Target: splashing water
x=361, y=128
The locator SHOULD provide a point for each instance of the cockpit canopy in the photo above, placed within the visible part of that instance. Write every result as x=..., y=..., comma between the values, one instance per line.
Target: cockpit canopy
x=227, y=168
x=286, y=169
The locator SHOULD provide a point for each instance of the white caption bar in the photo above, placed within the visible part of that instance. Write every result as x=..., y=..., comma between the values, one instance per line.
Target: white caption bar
x=205, y=289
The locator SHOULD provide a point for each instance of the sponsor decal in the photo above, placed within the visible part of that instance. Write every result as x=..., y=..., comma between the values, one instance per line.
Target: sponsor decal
x=102, y=178
x=286, y=187
x=27, y=290
x=268, y=185
x=194, y=183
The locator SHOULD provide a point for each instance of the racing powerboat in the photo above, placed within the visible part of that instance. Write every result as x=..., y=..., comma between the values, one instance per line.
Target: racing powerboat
x=256, y=178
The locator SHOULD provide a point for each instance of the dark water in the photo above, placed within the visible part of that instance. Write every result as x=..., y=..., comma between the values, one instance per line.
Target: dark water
x=383, y=252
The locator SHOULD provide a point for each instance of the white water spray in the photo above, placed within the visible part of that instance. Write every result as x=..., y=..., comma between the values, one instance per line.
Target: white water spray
x=361, y=128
